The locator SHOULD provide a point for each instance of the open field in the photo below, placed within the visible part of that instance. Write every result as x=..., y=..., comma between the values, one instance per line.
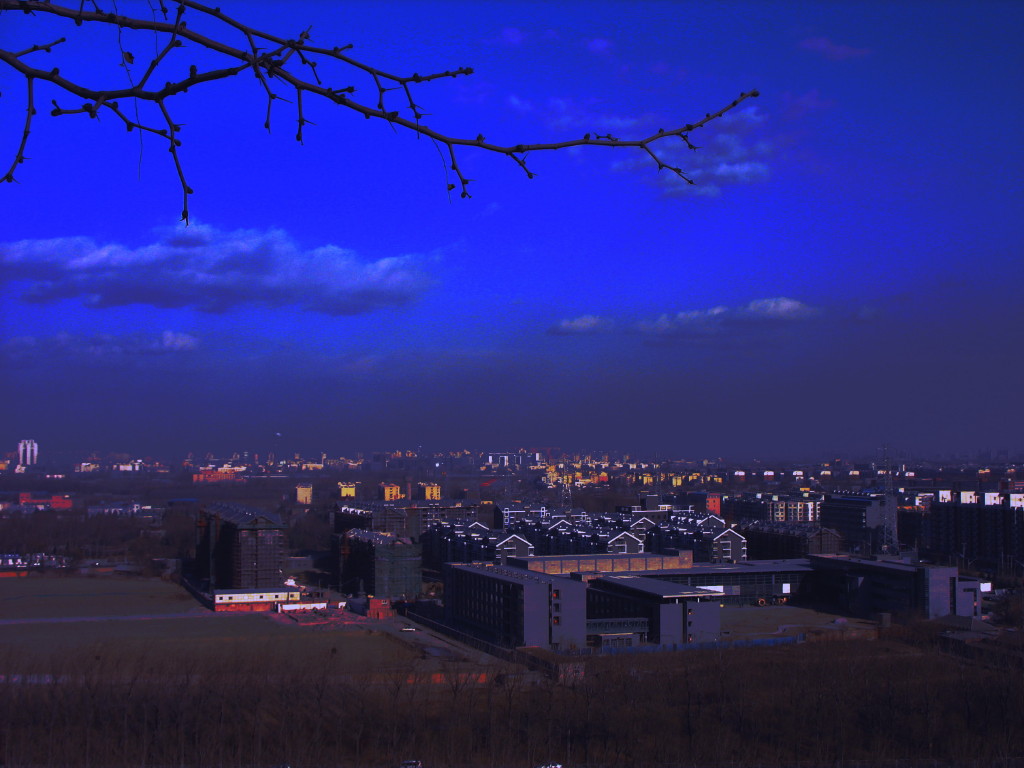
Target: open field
x=46, y=619
x=29, y=648
x=45, y=597
x=741, y=622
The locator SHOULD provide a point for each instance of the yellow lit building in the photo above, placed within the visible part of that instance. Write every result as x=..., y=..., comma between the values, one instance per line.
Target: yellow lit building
x=391, y=491
x=347, y=490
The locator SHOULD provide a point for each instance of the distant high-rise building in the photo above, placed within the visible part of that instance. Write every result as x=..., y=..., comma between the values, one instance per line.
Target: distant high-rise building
x=239, y=548
x=28, y=453
x=390, y=491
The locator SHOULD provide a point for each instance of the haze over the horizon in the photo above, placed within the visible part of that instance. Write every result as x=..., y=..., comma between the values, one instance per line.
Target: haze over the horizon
x=845, y=273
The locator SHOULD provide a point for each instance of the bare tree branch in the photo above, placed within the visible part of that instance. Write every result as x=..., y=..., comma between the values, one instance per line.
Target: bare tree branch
x=269, y=63
x=30, y=111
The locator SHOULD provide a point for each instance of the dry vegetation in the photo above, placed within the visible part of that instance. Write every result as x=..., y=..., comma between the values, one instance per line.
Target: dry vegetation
x=243, y=690
x=236, y=705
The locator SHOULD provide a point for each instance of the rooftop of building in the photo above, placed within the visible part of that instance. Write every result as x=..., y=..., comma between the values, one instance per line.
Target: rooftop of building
x=505, y=573
x=378, y=538
x=655, y=587
x=243, y=516
x=748, y=566
x=881, y=562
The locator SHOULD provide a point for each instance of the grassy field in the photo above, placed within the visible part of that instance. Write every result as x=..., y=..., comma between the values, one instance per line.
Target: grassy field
x=750, y=622
x=46, y=620
x=46, y=597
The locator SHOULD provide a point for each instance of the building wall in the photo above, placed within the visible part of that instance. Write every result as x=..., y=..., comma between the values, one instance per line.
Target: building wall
x=671, y=620
x=767, y=541
x=868, y=586
x=990, y=533
x=381, y=565
x=860, y=519
x=512, y=608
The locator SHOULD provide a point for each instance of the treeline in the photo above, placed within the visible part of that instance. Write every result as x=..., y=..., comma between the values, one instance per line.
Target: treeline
x=817, y=704
x=76, y=535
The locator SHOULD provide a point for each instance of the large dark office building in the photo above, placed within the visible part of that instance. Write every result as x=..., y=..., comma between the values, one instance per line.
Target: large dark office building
x=980, y=530
x=380, y=564
x=868, y=586
x=512, y=607
x=866, y=521
x=767, y=540
x=238, y=548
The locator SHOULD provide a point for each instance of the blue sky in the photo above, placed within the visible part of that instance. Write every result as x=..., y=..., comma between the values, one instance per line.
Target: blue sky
x=844, y=273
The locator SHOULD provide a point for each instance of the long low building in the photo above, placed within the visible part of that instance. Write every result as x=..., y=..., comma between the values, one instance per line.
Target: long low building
x=240, y=600
x=515, y=607
x=562, y=611
x=870, y=585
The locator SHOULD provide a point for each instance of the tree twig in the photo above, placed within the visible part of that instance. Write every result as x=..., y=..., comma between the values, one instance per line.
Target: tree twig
x=273, y=64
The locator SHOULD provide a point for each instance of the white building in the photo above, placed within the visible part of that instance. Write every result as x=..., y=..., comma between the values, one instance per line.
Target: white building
x=28, y=453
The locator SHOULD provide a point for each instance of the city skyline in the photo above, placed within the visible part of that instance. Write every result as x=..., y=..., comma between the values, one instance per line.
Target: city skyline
x=882, y=459
x=844, y=273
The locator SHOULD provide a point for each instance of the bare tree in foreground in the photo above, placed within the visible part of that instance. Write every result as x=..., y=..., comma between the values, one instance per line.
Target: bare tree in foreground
x=278, y=64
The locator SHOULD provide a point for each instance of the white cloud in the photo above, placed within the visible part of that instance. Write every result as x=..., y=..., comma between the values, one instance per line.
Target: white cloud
x=717, y=320
x=212, y=271
x=585, y=324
